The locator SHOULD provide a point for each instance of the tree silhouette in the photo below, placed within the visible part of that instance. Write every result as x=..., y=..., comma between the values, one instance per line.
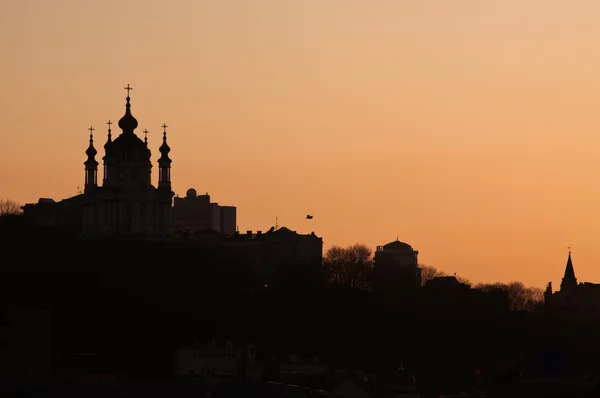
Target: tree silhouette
x=428, y=273
x=9, y=207
x=350, y=266
x=520, y=297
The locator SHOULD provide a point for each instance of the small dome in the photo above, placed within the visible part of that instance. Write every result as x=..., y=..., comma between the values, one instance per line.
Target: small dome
x=191, y=193
x=164, y=151
x=401, y=381
x=91, y=151
x=164, y=148
x=128, y=123
x=398, y=246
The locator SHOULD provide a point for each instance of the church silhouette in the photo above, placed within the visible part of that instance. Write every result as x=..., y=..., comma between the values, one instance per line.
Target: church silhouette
x=126, y=203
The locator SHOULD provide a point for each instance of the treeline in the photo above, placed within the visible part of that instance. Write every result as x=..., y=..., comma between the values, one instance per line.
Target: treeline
x=353, y=266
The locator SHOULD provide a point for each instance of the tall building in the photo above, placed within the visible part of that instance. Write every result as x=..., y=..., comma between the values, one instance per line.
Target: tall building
x=126, y=203
x=396, y=267
x=196, y=212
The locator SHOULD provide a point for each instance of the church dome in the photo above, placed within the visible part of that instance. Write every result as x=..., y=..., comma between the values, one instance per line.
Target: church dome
x=398, y=246
x=164, y=149
x=191, y=193
x=108, y=140
x=128, y=123
x=91, y=151
x=127, y=145
x=108, y=144
x=401, y=381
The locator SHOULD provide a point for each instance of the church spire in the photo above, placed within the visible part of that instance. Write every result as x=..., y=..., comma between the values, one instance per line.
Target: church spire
x=164, y=162
x=91, y=165
x=569, y=280
x=108, y=137
x=128, y=123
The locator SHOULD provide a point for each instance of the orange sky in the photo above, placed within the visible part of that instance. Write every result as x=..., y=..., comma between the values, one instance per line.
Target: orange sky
x=469, y=128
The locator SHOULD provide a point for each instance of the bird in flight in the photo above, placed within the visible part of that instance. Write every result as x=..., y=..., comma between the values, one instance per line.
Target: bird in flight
x=309, y=217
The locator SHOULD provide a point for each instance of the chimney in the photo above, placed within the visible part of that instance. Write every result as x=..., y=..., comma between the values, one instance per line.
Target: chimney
x=249, y=233
x=258, y=232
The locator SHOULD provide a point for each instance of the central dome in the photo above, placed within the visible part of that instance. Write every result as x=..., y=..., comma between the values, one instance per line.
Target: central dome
x=129, y=147
x=128, y=123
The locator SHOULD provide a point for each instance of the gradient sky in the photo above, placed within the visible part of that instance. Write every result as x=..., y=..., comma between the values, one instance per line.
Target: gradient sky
x=468, y=128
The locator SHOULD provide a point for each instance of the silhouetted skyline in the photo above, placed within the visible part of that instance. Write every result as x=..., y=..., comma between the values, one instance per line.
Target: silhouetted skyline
x=468, y=129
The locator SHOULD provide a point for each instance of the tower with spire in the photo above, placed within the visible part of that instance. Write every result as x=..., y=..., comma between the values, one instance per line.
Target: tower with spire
x=569, y=281
x=573, y=299
x=164, y=163
x=127, y=203
x=165, y=194
x=91, y=165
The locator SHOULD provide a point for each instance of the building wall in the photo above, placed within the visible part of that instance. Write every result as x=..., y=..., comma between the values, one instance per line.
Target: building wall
x=396, y=267
x=212, y=361
x=215, y=215
x=277, y=249
x=196, y=212
x=582, y=301
x=27, y=358
x=228, y=220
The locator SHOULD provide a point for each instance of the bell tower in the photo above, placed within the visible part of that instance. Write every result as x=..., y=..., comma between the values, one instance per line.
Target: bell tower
x=165, y=193
x=164, y=163
x=91, y=165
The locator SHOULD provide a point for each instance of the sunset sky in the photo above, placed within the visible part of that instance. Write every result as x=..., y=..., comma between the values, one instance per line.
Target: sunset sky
x=470, y=129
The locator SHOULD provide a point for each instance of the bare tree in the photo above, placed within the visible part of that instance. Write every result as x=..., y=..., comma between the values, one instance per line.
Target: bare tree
x=9, y=207
x=520, y=297
x=428, y=273
x=350, y=266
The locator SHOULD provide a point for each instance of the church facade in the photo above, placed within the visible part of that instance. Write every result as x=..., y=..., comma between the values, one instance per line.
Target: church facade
x=125, y=203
